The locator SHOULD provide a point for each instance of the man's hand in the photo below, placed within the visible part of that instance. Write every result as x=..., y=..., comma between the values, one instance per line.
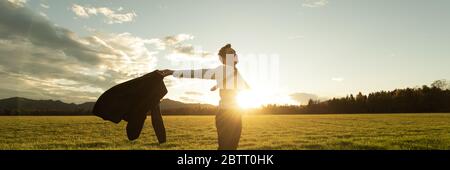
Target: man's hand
x=214, y=88
x=165, y=72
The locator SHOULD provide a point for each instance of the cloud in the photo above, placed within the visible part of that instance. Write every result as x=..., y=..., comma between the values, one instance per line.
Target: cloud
x=314, y=3
x=194, y=93
x=41, y=60
x=23, y=25
x=337, y=79
x=171, y=41
x=176, y=39
x=18, y=3
x=28, y=86
x=80, y=11
x=189, y=99
x=45, y=6
x=178, y=48
x=43, y=14
x=112, y=16
x=303, y=98
x=169, y=82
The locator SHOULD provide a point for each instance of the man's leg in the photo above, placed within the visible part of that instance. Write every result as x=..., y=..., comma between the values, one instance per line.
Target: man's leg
x=236, y=131
x=221, y=137
x=229, y=127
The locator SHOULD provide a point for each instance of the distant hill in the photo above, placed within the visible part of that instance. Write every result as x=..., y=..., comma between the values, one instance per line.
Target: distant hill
x=24, y=106
x=167, y=104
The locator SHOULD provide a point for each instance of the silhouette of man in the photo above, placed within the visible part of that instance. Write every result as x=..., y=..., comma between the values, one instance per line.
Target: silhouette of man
x=229, y=81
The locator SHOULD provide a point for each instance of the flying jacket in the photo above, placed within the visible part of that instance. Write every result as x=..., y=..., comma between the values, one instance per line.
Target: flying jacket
x=131, y=101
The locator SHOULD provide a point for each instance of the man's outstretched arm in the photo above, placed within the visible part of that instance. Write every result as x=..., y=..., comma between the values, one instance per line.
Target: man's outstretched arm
x=199, y=73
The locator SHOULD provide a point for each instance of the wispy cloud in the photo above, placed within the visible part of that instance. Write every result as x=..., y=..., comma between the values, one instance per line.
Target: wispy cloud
x=112, y=16
x=45, y=6
x=43, y=14
x=194, y=93
x=176, y=46
x=18, y=3
x=171, y=41
x=189, y=99
x=314, y=3
x=80, y=11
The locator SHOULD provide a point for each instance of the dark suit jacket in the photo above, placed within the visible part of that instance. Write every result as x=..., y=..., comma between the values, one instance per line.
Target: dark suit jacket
x=123, y=99
x=134, y=99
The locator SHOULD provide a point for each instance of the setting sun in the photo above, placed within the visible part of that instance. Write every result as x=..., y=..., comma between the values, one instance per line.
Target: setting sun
x=249, y=99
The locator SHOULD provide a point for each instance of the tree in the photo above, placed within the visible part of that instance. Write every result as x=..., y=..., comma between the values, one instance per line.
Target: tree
x=441, y=84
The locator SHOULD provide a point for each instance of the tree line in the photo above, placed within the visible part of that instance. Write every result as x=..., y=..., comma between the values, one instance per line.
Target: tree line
x=426, y=99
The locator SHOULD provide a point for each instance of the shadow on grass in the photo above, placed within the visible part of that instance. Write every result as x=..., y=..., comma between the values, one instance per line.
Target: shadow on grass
x=89, y=145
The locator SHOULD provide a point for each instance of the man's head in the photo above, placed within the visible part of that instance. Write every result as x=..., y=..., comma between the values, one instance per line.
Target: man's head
x=228, y=56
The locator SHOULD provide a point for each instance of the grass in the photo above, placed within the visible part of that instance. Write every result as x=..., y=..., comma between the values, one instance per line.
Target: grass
x=349, y=131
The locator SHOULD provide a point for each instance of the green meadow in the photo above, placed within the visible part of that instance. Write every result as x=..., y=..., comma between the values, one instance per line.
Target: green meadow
x=278, y=132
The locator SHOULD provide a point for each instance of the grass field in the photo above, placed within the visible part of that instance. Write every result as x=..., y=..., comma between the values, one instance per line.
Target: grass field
x=350, y=131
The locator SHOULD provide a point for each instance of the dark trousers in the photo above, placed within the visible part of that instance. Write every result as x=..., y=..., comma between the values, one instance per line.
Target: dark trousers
x=229, y=128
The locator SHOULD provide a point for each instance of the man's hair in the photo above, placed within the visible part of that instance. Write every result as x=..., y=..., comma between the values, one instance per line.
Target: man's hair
x=223, y=50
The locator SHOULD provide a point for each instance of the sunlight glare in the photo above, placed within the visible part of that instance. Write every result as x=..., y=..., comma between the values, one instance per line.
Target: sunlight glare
x=249, y=99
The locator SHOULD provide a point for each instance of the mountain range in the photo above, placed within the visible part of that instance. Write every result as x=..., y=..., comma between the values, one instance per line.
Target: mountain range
x=25, y=106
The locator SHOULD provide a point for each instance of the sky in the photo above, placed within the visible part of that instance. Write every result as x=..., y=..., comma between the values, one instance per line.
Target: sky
x=289, y=50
